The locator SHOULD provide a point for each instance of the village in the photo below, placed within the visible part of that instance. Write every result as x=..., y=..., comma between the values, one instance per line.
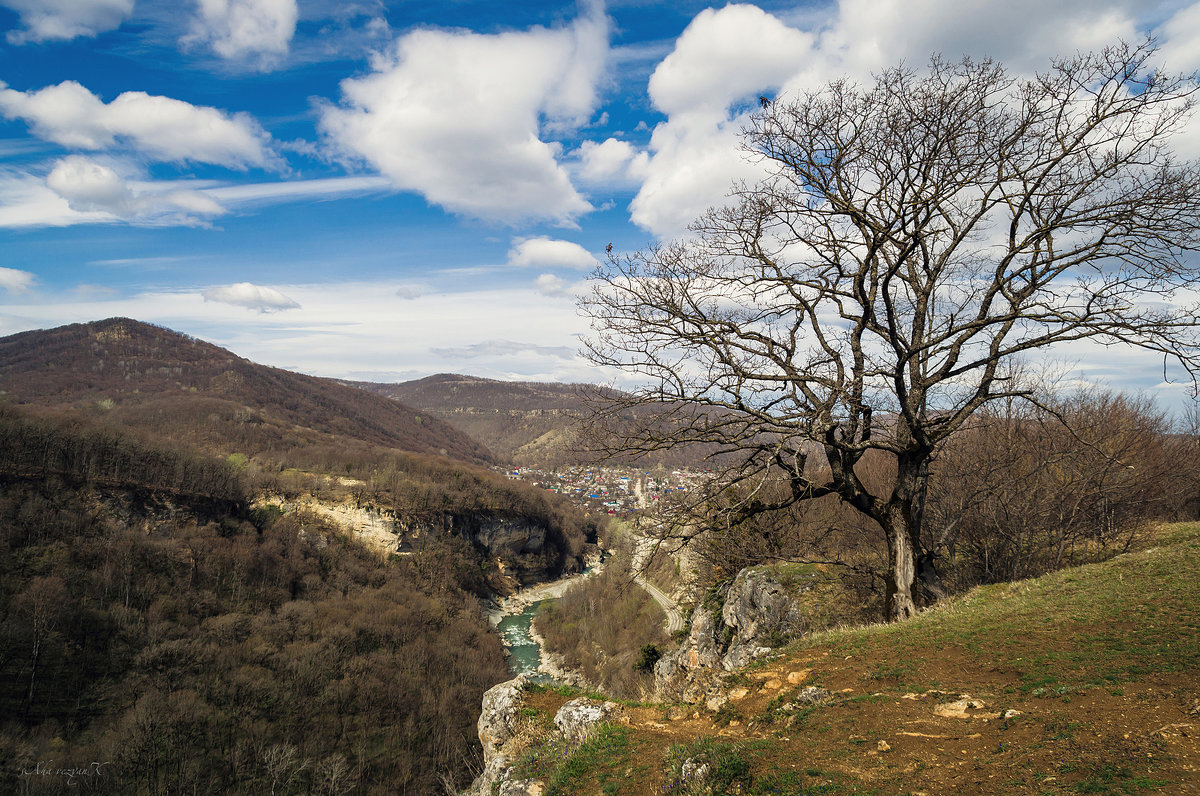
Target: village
x=611, y=490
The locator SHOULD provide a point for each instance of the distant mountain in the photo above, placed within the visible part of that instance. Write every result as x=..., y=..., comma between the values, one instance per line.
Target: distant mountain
x=525, y=422
x=529, y=423
x=145, y=376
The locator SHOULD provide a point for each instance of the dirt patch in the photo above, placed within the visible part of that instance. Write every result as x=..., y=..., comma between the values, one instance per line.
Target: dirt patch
x=1086, y=681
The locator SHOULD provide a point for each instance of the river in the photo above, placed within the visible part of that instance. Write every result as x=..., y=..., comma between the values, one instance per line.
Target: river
x=524, y=654
x=514, y=615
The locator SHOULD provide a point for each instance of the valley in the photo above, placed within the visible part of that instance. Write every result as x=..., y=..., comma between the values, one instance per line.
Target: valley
x=203, y=556
x=226, y=578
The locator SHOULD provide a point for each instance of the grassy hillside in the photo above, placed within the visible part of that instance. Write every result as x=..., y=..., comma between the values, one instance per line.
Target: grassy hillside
x=140, y=375
x=1083, y=681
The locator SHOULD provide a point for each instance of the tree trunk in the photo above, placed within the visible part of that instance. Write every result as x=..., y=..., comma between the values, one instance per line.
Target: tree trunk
x=901, y=522
x=902, y=569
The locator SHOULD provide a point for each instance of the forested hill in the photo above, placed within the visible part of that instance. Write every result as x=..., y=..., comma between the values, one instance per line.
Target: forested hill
x=160, y=635
x=451, y=391
x=534, y=423
x=142, y=375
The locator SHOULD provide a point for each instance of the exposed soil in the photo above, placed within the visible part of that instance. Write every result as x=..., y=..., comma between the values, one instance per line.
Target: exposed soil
x=1080, y=682
x=1143, y=737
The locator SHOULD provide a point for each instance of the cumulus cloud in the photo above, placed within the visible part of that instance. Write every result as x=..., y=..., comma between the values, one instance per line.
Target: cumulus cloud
x=504, y=348
x=251, y=296
x=726, y=58
x=92, y=187
x=544, y=252
x=460, y=117
x=551, y=285
x=256, y=30
x=50, y=20
x=15, y=281
x=158, y=127
x=87, y=185
x=611, y=160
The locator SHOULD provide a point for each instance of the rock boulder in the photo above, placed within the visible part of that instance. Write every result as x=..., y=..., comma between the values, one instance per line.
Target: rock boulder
x=578, y=718
x=501, y=711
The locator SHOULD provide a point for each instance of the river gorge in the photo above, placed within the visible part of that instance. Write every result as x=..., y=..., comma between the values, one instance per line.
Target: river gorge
x=512, y=617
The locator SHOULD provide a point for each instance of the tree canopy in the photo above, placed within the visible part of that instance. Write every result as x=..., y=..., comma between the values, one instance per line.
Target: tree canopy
x=912, y=243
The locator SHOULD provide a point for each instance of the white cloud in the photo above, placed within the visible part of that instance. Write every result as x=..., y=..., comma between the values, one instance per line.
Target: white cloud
x=50, y=20
x=543, y=252
x=15, y=281
x=458, y=116
x=551, y=285
x=257, y=30
x=194, y=202
x=726, y=58
x=611, y=160
x=504, y=348
x=158, y=127
x=297, y=190
x=89, y=187
x=68, y=196
x=78, y=190
x=726, y=55
x=723, y=58
x=1181, y=40
x=255, y=297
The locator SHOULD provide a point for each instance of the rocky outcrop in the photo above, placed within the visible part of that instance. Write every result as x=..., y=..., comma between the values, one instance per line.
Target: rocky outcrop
x=755, y=615
x=500, y=734
x=687, y=672
x=578, y=718
x=498, y=719
x=760, y=615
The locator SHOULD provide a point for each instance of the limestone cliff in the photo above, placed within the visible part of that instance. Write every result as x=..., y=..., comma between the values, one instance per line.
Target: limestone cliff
x=729, y=631
x=523, y=550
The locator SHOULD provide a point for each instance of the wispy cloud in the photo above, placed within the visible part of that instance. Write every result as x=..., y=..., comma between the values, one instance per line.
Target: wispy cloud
x=503, y=348
x=15, y=281
x=297, y=190
x=57, y=20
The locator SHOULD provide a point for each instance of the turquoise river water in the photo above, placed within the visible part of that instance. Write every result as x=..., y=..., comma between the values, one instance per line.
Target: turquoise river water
x=524, y=654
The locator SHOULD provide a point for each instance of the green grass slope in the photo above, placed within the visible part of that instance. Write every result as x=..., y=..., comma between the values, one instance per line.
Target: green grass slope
x=1083, y=681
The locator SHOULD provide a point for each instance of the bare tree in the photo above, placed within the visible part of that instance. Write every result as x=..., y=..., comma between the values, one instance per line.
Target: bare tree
x=912, y=242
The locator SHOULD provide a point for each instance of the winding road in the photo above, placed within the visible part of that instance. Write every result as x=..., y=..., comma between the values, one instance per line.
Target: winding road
x=675, y=620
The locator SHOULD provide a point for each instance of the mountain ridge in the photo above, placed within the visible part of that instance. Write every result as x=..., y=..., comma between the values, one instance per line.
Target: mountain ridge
x=137, y=373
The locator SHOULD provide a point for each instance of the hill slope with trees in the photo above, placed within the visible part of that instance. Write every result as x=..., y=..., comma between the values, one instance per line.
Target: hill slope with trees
x=154, y=623
x=535, y=423
x=143, y=375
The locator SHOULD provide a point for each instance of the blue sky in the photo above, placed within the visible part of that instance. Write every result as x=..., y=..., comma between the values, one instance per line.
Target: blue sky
x=386, y=190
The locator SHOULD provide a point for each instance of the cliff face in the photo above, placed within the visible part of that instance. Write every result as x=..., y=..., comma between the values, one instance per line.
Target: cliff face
x=523, y=550
x=757, y=614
